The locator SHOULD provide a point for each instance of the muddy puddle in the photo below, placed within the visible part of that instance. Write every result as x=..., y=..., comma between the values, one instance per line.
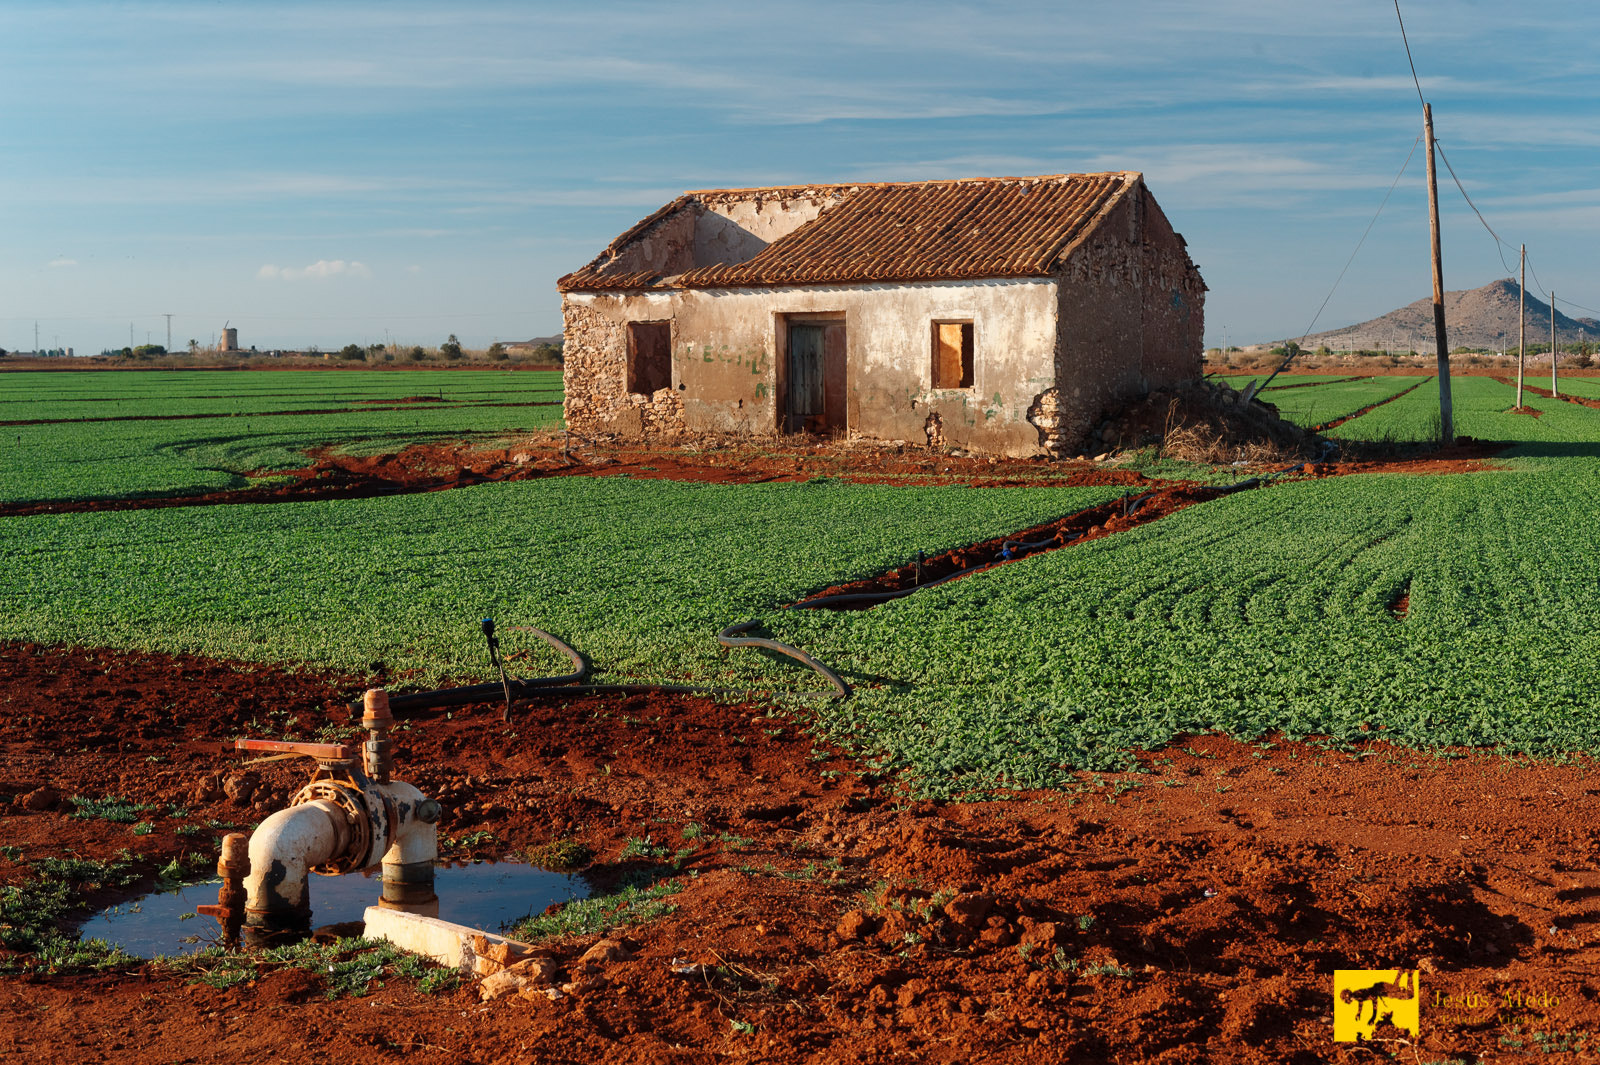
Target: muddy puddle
x=486, y=895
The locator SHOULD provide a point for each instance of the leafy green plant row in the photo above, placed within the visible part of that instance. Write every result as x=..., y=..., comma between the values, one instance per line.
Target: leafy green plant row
x=1262, y=612
x=1587, y=387
x=1283, y=380
x=1482, y=408
x=137, y=459
x=1322, y=404
x=639, y=575
x=122, y=394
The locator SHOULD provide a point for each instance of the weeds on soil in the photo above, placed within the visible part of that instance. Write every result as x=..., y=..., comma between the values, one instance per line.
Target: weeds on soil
x=637, y=900
x=351, y=968
x=560, y=855
x=30, y=914
x=108, y=808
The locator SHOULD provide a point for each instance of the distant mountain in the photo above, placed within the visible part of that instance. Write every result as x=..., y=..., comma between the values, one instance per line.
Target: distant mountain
x=1475, y=318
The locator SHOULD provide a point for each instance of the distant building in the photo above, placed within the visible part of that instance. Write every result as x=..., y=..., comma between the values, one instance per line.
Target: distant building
x=1004, y=315
x=230, y=340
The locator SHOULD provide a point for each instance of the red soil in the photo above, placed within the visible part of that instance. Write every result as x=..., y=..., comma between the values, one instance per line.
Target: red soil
x=436, y=467
x=1205, y=902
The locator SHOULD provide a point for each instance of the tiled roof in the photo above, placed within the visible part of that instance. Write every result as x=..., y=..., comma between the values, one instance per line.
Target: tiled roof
x=913, y=231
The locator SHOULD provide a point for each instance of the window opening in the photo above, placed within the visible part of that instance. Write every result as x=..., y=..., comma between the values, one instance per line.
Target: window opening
x=952, y=355
x=649, y=356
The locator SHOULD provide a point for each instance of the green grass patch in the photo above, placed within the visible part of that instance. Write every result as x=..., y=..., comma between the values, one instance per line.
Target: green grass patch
x=639, y=899
x=216, y=430
x=560, y=855
x=351, y=968
x=32, y=912
x=108, y=808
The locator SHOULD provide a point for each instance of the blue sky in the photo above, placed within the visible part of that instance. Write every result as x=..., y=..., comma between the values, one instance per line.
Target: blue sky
x=337, y=172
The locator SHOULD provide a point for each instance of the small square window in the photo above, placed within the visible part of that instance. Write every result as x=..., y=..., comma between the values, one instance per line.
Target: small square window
x=952, y=355
x=649, y=356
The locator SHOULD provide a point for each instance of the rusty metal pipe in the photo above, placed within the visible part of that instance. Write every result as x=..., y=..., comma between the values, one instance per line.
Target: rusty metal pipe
x=377, y=720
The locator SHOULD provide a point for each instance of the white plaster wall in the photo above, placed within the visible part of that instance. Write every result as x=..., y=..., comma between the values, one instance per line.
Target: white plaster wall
x=727, y=348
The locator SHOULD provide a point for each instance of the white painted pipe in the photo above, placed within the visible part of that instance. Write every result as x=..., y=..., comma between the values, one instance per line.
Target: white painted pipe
x=282, y=851
x=413, y=847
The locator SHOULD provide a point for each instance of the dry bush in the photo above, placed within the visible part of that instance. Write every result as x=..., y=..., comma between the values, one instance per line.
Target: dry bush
x=1205, y=422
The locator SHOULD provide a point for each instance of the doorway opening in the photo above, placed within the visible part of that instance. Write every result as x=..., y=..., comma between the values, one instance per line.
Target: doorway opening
x=814, y=375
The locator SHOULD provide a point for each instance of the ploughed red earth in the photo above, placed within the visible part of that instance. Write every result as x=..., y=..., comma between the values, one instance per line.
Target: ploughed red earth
x=438, y=467
x=1193, y=910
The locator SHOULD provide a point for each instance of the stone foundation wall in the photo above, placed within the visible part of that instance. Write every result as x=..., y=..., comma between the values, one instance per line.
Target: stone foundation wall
x=595, y=377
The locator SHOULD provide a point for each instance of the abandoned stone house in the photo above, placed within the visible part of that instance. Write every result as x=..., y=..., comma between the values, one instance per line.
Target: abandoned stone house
x=999, y=315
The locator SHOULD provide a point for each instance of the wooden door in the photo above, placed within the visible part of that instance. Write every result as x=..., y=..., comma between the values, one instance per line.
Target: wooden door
x=814, y=399
x=806, y=409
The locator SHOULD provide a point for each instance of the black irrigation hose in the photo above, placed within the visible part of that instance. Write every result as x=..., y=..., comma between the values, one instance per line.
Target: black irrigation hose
x=580, y=668
x=569, y=684
x=514, y=689
x=727, y=638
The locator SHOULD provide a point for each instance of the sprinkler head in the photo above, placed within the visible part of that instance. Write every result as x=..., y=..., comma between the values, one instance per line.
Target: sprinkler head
x=488, y=627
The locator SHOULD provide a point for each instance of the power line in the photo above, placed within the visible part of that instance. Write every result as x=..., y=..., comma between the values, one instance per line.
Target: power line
x=1363, y=239
x=1538, y=286
x=1499, y=243
x=1407, y=43
x=1580, y=307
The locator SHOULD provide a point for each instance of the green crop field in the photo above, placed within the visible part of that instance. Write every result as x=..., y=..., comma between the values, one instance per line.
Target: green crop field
x=1321, y=404
x=117, y=435
x=1587, y=387
x=1258, y=613
x=638, y=574
x=1483, y=409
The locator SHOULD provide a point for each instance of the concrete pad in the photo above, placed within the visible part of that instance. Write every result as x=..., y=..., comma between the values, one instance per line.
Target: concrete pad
x=454, y=945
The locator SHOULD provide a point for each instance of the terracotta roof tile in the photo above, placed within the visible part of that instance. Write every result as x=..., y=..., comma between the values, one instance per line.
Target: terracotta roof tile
x=913, y=231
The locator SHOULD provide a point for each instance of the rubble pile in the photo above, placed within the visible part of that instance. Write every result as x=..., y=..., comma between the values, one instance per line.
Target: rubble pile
x=1204, y=421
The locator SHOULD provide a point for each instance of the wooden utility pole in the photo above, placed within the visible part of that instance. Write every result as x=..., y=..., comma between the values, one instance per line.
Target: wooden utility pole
x=1522, y=323
x=1553, y=390
x=1447, y=432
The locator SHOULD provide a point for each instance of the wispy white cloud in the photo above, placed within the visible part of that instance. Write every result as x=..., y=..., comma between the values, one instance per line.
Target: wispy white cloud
x=222, y=187
x=320, y=270
x=63, y=262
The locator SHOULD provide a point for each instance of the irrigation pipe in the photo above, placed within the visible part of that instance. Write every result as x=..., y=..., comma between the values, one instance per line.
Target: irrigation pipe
x=728, y=638
x=569, y=684
x=512, y=688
